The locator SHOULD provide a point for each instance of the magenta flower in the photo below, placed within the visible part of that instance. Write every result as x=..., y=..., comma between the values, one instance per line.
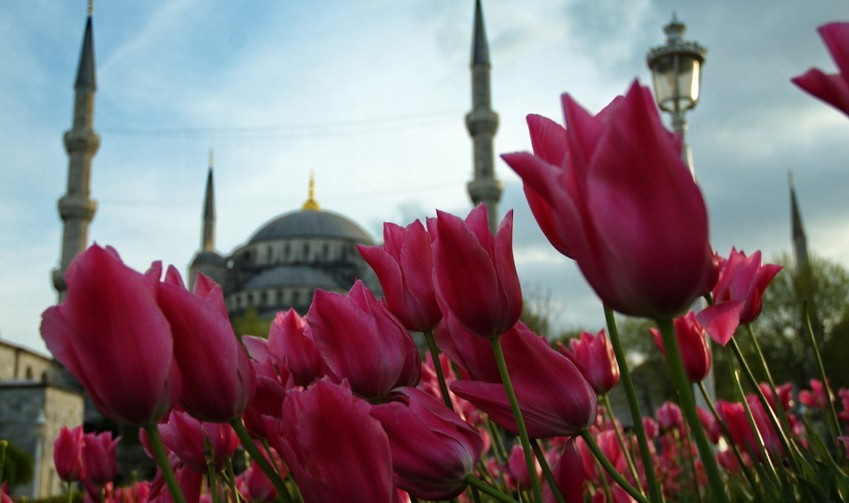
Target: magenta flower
x=335, y=450
x=218, y=380
x=68, y=454
x=99, y=458
x=737, y=294
x=290, y=346
x=474, y=272
x=735, y=419
x=362, y=342
x=693, y=345
x=433, y=450
x=273, y=380
x=816, y=397
x=830, y=88
x=553, y=396
x=404, y=266
x=710, y=424
x=111, y=335
x=669, y=416
x=569, y=474
x=185, y=436
x=612, y=192
x=593, y=355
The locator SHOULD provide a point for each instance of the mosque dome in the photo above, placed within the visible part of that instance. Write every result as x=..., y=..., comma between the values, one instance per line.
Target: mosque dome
x=307, y=224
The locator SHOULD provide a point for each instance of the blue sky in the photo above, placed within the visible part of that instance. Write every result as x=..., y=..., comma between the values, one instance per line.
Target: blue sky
x=370, y=95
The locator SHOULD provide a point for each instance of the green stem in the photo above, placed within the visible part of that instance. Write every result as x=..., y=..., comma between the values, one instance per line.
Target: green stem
x=70, y=491
x=495, y=342
x=162, y=461
x=626, y=451
x=754, y=427
x=491, y=491
x=264, y=465
x=610, y=469
x=833, y=424
x=546, y=471
x=728, y=438
x=655, y=494
x=688, y=407
x=437, y=365
x=769, y=409
x=210, y=469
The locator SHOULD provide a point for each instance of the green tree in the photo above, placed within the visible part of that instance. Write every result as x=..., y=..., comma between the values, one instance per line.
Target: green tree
x=780, y=331
x=17, y=468
x=249, y=323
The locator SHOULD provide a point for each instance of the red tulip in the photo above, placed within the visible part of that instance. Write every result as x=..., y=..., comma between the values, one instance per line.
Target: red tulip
x=362, y=342
x=68, y=454
x=470, y=352
x=569, y=474
x=612, y=192
x=99, y=458
x=518, y=478
x=593, y=355
x=710, y=424
x=474, y=272
x=186, y=437
x=669, y=416
x=735, y=419
x=693, y=346
x=737, y=295
x=816, y=397
x=111, y=335
x=335, y=450
x=273, y=380
x=404, y=266
x=433, y=450
x=834, y=88
x=288, y=342
x=553, y=396
x=217, y=377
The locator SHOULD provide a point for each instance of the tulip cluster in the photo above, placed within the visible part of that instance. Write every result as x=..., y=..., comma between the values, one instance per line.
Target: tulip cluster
x=341, y=404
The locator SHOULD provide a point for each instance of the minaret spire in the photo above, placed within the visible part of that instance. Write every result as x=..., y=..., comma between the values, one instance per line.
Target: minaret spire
x=207, y=239
x=311, y=204
x=482, y=122
x=800, y=241
x=81, y=142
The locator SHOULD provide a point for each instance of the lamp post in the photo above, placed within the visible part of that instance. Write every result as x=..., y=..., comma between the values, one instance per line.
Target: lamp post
x=676, y=69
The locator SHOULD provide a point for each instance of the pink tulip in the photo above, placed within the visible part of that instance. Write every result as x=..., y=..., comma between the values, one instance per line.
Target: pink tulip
x=404, y=266
x=553, y=396
x=68, y=454
x=669, y=416
x=433, y=450
x=474, y=272
x=217, y=376
x=335, y=450
x=99, y=458
x=816, y=397
x=569, y=474
x=593, y=354
x=612, y=192
x=186, y=437
x=693, y=345
x=288, y=342
x=735, y=419
x=710, y=424
x=111, y=335
x=517, y=470
x=362, y=342
x=469, y=351
x=834, y=88
x=737, y=294
x=273, y=380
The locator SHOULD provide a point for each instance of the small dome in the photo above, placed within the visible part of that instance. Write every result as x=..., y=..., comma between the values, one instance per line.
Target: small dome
x=312, y=224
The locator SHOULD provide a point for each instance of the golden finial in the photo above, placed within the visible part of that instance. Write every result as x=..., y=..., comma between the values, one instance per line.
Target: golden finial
x=311, y=204
x=90, y=7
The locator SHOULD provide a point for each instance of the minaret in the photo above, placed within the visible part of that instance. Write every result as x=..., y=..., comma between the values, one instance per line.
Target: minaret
x=800, y=241
x=482, y=122
x=207, y=238
x=803, y=279
x=76, y=207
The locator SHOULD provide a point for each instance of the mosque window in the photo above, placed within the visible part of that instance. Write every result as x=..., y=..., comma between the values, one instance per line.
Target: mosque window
x=263, y=299
x=28, y=373
x=286, y=251
x=306, y=251
x=325, y=251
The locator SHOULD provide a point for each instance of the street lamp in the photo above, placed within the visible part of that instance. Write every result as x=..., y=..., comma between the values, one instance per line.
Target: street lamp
x=676, y=69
